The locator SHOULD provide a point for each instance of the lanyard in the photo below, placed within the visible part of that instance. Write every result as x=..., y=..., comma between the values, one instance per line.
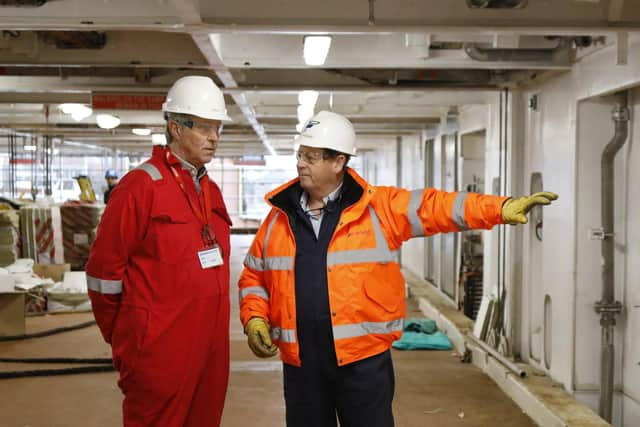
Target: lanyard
x=208, y=235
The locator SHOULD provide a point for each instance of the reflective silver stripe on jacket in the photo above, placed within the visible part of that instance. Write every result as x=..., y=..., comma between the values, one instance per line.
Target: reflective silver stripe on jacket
x=278, y=263
x=380, y=253
x=366, y=328
x=253, y=263
x=283, y=335
x=268, y=263
x=458, y=211
x=110, y=287
x=254, y=290
x=153, y=171
x=268, y=235
x=274, y=262
x=414, y=220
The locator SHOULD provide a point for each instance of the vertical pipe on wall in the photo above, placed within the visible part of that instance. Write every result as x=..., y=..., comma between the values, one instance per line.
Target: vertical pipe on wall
x=608, y=307
x=503, y=192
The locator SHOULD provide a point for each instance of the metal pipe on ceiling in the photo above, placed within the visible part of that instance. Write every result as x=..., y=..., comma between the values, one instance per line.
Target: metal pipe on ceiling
x=560, y=54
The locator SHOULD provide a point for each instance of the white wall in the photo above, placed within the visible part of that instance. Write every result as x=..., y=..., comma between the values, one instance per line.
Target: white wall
x=563, y=141
x=575, y=126
x=530, y=339
x=631, y=296
x=594, y=131
x=380, y=165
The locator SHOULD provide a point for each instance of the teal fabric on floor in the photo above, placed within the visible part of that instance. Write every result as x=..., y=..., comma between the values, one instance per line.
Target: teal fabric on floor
x=426, y=326
x=421, y=334
x=420, y=341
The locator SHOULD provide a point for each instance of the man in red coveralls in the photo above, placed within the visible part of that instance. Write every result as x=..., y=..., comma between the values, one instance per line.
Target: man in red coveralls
x=158, y=272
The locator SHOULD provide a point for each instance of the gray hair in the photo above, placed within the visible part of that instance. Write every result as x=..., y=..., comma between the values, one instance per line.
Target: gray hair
x=173, y=116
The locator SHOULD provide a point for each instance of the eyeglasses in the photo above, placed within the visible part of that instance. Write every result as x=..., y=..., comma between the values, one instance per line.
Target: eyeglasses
x=204, y=129
x=310, y=157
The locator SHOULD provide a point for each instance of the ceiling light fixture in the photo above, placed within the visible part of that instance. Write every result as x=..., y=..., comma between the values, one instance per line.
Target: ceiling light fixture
x=307, y=100
x=107, y=121
x=304, y=113
x=316, y=49
x=307, y=97
x=29, y=148
x=141, y=131
x=77, y=111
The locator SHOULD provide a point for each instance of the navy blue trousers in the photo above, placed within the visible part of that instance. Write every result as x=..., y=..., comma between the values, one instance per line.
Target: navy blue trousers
x=358, y=395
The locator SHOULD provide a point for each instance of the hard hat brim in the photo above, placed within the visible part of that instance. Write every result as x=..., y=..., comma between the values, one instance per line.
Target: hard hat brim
x=223, y=117
x=308, y=141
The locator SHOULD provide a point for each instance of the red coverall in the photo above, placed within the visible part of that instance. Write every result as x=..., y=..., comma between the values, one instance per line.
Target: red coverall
x=166, y=318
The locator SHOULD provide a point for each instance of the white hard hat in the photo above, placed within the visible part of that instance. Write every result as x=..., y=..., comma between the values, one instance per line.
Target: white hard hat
x=329, y=130
x=198, y=96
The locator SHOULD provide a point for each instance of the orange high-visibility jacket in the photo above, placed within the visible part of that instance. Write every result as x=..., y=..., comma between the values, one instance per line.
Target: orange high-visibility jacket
x=366, y=288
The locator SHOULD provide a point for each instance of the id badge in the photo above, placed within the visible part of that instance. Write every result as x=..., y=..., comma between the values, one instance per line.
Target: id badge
x=211, y=257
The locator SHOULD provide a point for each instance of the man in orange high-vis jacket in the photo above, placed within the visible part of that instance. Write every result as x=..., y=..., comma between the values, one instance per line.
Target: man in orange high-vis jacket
x=322, y=283
x=158, y=272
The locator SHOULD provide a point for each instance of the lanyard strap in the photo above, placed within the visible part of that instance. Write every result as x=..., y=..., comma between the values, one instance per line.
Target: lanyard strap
x=208, y=234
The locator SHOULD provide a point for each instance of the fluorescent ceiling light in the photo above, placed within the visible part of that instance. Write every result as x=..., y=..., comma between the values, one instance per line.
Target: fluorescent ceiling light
x=81, y=114
x=141, y=131
x=307, y=97
x=107, y=121
x=316, y=49
x=159, y=139
x=304, y=113
x=29, y=148
x=77, y=111
x=69, y=108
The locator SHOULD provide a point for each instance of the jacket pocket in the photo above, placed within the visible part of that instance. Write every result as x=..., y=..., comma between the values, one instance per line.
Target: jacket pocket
x=383, y=294
x=173, y=237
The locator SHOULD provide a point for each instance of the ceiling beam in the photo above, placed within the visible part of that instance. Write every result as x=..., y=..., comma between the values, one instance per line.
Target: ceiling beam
x=190, y=15
x=566, y=29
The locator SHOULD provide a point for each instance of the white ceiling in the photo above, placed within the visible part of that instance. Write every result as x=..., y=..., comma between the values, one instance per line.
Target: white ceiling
x=393, y=69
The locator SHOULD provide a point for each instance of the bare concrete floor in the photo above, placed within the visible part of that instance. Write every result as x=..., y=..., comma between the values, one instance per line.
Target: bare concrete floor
x=432, y=388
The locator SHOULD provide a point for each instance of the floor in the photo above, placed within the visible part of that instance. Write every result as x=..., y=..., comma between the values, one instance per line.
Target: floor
x=432, y=388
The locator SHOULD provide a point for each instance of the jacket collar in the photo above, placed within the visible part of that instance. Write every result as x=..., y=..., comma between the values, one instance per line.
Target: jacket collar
x=174, y=160
x=356, y=195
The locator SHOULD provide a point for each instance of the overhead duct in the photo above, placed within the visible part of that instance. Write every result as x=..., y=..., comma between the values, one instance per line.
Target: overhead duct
x=560, y=54
x=75, y=39
x=22, y=3
x=496, y=4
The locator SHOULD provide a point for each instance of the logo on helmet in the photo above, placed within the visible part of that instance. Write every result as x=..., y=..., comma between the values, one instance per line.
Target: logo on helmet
x=311, y=123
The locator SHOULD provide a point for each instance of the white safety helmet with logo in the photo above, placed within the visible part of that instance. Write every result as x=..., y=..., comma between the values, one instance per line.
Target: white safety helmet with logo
x=197, y=96
x=328, y=130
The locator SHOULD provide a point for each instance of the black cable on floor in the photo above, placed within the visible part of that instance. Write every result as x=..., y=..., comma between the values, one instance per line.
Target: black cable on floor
x=70, y=360
x=54, y=372
x=48, y=332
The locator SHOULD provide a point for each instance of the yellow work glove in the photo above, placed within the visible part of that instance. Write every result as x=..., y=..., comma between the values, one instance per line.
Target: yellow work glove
x=257, y=330
x=514, y=211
